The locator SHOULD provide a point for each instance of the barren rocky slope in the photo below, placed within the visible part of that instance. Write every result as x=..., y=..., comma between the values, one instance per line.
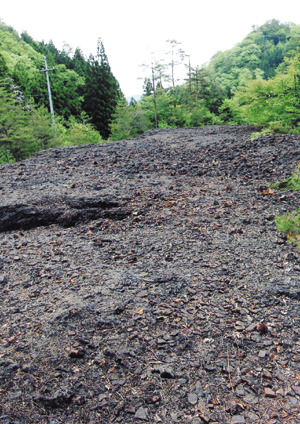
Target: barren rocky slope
x=144, y=281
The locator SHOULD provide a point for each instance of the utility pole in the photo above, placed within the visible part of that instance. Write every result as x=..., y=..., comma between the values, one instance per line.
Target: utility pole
x=46, y=70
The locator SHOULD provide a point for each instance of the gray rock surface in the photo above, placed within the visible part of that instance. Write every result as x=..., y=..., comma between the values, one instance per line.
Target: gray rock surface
x=143, y=279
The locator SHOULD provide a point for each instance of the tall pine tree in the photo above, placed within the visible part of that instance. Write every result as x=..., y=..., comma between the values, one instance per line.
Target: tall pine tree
x=102, y=91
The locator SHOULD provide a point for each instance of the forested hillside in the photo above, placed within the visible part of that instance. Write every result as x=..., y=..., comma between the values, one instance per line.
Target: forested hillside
x=84, y=93
x=255, y=82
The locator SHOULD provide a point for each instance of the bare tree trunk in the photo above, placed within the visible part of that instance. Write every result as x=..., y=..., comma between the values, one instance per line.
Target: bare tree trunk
x=154, y=96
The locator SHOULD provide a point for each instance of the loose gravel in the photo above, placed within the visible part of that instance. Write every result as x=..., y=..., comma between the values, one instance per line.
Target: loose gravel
x=144, y=281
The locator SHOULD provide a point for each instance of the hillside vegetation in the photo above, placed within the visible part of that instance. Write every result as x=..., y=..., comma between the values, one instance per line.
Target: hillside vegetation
x=255, y=82
x=84, y=93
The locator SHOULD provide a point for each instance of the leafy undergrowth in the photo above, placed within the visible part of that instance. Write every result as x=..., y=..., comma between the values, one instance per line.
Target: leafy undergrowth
x=290, y=222
x=290, y=183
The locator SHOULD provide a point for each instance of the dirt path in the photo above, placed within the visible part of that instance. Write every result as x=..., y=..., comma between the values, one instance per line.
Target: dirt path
x=144, y=281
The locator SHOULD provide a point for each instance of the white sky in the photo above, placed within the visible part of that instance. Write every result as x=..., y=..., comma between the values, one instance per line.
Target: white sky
x=131, y=29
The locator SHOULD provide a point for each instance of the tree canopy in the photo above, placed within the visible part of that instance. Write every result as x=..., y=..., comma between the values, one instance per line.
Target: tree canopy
x=255, y=82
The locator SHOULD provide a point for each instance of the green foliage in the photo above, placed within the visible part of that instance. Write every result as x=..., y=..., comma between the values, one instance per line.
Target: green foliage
x=5, y=155
x=24, y=129
x=65, y=87
x=164, y=124
x=255, y=82
x=274, y=102
x=129, y=121
x=3, y=67
x=290, y=183
x=71, y=132
x=147, y=87
x=290, y=224
x=14, y=49
x=79, y=87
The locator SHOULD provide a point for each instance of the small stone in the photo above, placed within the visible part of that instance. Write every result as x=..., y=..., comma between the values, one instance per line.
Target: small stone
x=192, y=398
x=231, y=406
x=119, y=382
x=14, y=395
x=80, y=400
x=3, y=280
x=201, y=406
x=200, y=393
x=174, y=416
x=267, y=374
x=269, y=392
x=142, y=414
x=240, y=390
x=250, y=399
x=262, y=353
x=239, y=326
x=253, y=417
x=296, y=390
x=130, y=409
x=28, y=368
x=293, y=401
x=251, y=327
x=238, y=419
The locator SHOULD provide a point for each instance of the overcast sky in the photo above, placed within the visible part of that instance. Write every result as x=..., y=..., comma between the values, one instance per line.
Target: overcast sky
x=131, y=29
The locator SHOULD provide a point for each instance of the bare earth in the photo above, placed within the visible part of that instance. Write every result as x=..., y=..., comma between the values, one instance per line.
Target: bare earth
x=144, y=281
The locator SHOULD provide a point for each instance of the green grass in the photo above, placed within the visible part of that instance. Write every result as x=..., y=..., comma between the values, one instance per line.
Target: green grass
x=290, y=222
x=291, y=183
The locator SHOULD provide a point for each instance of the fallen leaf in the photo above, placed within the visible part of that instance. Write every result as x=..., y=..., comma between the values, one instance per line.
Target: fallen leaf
x=262, y=328
x=268, y=191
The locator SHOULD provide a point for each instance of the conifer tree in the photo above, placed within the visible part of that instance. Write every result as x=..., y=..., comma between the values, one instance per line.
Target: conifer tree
x=102, y=91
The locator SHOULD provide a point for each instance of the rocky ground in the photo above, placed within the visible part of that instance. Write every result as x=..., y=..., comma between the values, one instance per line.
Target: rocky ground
x=144, y=281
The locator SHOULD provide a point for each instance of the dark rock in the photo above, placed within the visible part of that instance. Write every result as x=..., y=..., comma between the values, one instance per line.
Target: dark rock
x=57, y=400
x=125, y=298
x=3, y=280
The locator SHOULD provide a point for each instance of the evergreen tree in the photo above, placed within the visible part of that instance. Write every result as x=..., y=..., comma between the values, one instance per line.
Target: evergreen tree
x=102, y=92
x=79, y=64
x=147, y=87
